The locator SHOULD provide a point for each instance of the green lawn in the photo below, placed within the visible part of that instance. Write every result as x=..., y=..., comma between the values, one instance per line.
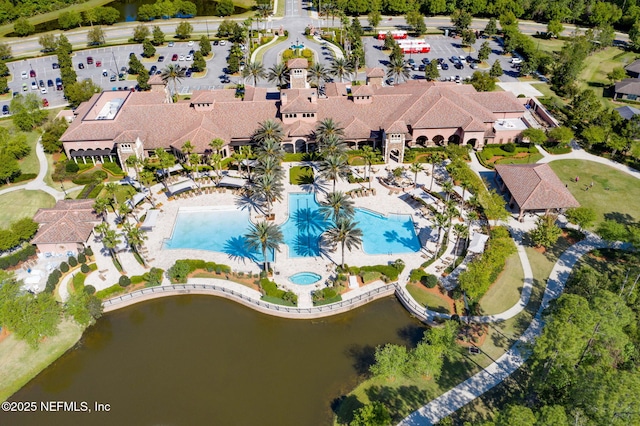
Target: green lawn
x=22, y=203
x=428, y=299
x=300, y=175
x=548, y=45
x=29, y=164
x=505, y=291
x=620, y=201
x=20, y=363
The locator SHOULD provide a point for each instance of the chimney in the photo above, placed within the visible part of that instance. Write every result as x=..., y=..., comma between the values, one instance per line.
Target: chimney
x=283, y=98
x=313, y=98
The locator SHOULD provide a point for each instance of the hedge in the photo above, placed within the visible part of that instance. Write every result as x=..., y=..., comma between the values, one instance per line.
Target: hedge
x=17, y=257
x=110, y=291
x=87, y=178
x=137, y=279
x=153, y=277
x=24, y=176
x=113, y=168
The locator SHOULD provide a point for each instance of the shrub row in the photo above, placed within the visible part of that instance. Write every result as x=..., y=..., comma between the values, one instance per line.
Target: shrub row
x=272, y=291
x=87, y=178
x=19, y=231
x=17, y=257
x=388, y=272
x=484, y=270
x=24, y=176
x=113, y=168
x=183, y=267
x=110, y=291
x=90, y=191
x=556, y=148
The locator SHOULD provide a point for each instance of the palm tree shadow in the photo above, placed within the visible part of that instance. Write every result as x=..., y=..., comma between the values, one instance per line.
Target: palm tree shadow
x=316, y=185
x=250, y=202
x=238, y=249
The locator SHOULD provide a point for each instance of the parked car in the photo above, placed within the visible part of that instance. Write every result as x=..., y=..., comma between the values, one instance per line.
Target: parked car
x=215, y=42
x=458, y=65
x=58, y=83
x=422, y=67
x=89, y=60
x=426, y=61
x=49, y=83
x=123, y=70
x=516, y=60
x=470, y=60
x=81, y=66
x=188, y=58
x=25, y=75
x=454, y=59
x=190, y=43
x=32, y=74
x=45, y=102
x=192, y=52
x=181, y=58
x=171, y=44
x=41, y=83
x=34, y=85
x=445, y=66
x=474, y=66
x=43, y=90
x=222, y=42
x=98, y=64
x=174, y=57
x=153, y=70
x=161, y=59
x=55, y=66
x=24, y=87
x=105, y=73
x=188, y=73
x=411, y=62
x=113, y=77
x=5, y=109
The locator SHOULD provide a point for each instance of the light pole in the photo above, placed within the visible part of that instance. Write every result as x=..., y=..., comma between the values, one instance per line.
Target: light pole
x=63, y=190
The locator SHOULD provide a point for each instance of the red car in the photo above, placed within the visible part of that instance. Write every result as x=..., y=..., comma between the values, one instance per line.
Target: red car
x=45, y=102
x=89, y=60
x=32, y=74
x=174, y=57
x=98, y=64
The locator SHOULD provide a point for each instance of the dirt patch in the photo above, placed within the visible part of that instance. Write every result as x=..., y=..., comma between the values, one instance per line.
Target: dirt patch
x=494, y=159
x=246, y=281
x=4, y=333
x=472, y=334
x=521, y=155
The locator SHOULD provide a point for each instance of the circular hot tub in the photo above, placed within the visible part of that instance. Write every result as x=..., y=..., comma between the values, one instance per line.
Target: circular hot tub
x=305, y=278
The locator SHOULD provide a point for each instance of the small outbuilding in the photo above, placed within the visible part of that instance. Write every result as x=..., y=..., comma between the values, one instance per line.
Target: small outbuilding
x=533, y=188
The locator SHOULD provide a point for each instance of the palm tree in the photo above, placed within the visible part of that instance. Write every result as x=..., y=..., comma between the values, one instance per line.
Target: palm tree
x=166, y=160
x=317, y=73
x=337, y=206
x=254, y=70
x=135, y=237
x=270, y=148
x=345, y=232
x=175, y=73
x=341, y=68
x=135, y=162
x=215, y=160
x=334, y=167
x=270, y=164
x=465, y=184
x=369, y=156
x=268, y=129
x=111, y=239
x=460, y=231
x=415, y=168
x=247, y=152
x=271, y=189
x=111, y=189
x=187, y=149
x=100, y=206
x=147, y=178
x=265, y=236
x=433, y=160
x=440, y=221
x=216, y=145
x=398, y=70
x=263, y=10
x=472, y=216
x=194, y=161
x=123, y=211
x=447, y=187
x=327, y=128
x=333, y=145
x=279, y=74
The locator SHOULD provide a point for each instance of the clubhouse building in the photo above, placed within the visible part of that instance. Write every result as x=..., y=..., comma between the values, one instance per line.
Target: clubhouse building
x=117, y=124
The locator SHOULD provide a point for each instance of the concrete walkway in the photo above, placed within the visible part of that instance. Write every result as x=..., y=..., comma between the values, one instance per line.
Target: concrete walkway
x=504, y=366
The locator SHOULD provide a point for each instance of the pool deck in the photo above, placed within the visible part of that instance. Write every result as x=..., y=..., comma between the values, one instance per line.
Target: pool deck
x=284, y=266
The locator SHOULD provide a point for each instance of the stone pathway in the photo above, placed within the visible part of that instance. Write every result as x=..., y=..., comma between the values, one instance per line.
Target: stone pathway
x=504, y=366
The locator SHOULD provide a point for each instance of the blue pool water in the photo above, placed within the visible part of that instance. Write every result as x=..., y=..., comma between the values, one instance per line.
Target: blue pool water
x=214, y=230
x=305, y=278
x=391, y=234
x=223, y=231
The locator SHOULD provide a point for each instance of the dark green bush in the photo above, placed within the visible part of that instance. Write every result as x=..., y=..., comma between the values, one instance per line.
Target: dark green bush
x=24, y=176
x=416, y=275
x=456, y=293
x=271, y=289
x=179, y=271
x=88, y=251
x=89, y=289
x=291, y=297
x=124, y=281
x=509, y=147
x=113, y=168
x=82, y=258
x=429, y=281
x=64, y=267
x=73, y=262
x=153, y=277
x=85, y=268
x=87, y=178
x=71, y=167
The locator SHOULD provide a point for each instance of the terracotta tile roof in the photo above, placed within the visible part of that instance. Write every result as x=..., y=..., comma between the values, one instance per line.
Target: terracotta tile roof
x=155, y=79
x=498, y=101
x=69, y=221
x=356, y=129
x=299, y=104
x=299, y=128
x=335, y=89
x=362, y=90
x=375, y=72
x=535, y=187
x=297, y=63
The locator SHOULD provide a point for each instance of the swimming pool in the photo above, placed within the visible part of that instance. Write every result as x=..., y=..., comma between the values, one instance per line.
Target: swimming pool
x=212, y=229
x=392, y=234
x=305, y=278
x=222, y=230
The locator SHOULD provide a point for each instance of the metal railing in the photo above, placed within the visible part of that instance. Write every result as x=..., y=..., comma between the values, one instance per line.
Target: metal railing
x=269, y=307
x=416, y=309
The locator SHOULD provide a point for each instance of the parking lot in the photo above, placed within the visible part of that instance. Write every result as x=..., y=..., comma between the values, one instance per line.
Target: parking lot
x=109, y=61
x=442, y=47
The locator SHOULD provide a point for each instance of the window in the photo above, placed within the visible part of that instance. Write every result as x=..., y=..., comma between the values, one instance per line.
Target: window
x=126, y=147
x=632, y=97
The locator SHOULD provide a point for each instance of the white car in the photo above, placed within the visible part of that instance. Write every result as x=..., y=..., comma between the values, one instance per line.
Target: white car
x=34, y=85
x=516, y=60
x=43, y=90
x=188, y=58
x=222, y=42
x=190, y=43
x=181, y=58
x=25, y=75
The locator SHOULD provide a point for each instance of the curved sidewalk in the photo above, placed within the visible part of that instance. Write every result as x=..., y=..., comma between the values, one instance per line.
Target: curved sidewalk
x=504, y=366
